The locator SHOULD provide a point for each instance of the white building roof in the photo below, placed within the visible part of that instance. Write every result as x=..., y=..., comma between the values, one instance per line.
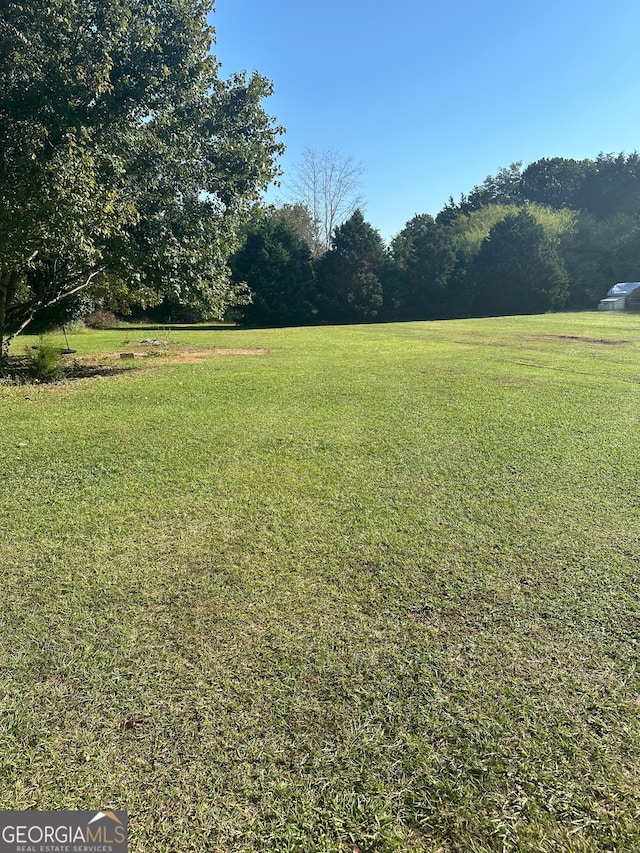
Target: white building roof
x=623, y=288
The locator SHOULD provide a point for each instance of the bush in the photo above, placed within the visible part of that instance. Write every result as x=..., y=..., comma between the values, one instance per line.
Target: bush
x=76, y=327
x=101, y=319
x=45, y=364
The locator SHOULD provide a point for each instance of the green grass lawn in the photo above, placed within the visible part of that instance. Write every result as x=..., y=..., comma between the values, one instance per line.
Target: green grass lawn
x=375, y=590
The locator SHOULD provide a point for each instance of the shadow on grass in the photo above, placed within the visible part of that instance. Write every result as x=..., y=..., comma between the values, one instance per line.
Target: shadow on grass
x=177, y=327
x=16, y=371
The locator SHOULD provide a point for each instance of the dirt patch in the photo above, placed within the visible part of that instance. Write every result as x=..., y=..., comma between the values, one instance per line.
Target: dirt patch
x=579, y=338
x=187, y=355
x=114, y=363
x=200, y=355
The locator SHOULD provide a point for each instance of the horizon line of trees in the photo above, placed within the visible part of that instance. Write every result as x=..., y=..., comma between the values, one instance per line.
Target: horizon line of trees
x=552, y=236
x=132, y=179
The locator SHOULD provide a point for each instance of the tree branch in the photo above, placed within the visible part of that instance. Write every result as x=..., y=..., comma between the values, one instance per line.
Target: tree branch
x=41, y=305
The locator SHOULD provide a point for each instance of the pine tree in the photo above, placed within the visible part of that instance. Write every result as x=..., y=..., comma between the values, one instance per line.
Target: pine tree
x=349, y=274
x=518, y=270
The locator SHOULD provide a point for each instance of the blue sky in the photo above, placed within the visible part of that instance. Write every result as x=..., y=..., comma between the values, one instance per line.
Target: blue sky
x=433, y=97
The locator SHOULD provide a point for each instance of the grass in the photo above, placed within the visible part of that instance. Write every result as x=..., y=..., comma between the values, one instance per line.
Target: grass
x=376, y=590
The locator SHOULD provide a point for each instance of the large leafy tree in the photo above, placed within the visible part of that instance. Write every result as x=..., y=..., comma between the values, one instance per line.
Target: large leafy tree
x=502, y=188
x=612, y=186
x=557, y=181
x=518, y=270
x=125, y=160
x=597, y=253
x=605, y=186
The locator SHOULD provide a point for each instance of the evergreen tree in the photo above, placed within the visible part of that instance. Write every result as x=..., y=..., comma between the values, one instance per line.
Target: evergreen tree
x=275, y=262
x=424, y=254
x=518, y=270
x=350, y=273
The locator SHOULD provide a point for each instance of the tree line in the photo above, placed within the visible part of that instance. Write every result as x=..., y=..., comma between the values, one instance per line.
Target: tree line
x=132, y=178
x=552, y=236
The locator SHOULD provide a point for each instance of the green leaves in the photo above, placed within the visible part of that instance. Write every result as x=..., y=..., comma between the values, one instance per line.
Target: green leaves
x=518, y=270
x=276, y=263
x=121, y=148
x=349, y=274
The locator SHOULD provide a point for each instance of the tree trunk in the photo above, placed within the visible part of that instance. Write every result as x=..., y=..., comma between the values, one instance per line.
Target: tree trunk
x=8, y=283
x=4, y=291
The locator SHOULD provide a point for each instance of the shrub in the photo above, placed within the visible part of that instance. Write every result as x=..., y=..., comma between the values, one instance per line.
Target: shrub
x=75, y=327
x=101, y=319
x=45, y=363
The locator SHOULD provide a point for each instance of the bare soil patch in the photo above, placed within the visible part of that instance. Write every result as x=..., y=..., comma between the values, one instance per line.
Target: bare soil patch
x=578, y=338
x=114, y=363
x=179, y=355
